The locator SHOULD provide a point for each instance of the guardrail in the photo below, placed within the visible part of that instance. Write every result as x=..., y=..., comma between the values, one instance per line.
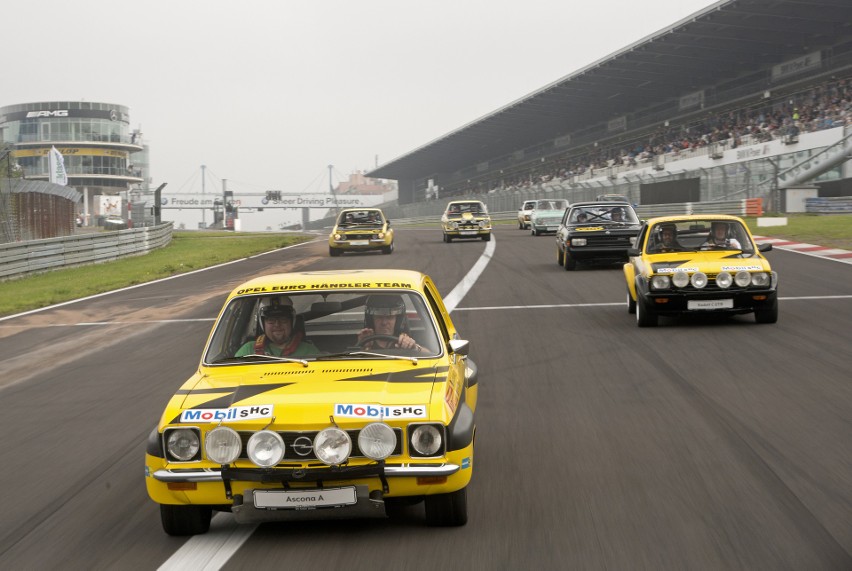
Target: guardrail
x=742, y=207
x=34, y=256
x=829, y=205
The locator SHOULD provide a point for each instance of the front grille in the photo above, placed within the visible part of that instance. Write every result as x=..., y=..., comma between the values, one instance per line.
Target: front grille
x=290, y=441
x=360, y=236
x=610, y=241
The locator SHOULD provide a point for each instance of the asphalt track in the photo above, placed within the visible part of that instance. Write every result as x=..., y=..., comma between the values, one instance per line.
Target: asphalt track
x=700, y=444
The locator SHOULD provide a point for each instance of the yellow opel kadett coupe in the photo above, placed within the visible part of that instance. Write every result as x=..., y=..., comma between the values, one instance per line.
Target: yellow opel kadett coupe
x=699, y=264
x=321, y=395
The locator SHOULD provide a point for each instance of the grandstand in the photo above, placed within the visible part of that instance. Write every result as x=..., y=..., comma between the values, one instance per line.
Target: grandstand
x=740, y=100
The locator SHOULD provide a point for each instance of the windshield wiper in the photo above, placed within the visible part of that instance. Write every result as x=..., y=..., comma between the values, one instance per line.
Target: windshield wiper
x=366, y=354
x=256, y=357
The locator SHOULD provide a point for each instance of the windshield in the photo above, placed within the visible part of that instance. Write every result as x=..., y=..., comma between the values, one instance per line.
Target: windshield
x=698, y=235
x=458, y=208
x=603, y=214
x=360, y=218
x=320, y=325
x=551, y=205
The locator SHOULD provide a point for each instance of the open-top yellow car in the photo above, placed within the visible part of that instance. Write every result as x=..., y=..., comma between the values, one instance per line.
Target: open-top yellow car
x=321, y=395
x=699, y=264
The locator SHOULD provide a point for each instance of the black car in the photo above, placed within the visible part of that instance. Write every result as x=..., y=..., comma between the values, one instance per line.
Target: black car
x=596, y=232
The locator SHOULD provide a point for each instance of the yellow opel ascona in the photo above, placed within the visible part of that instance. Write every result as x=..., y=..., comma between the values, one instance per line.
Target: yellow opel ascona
x=466, y=219
x=360, y=230
x=321, y=395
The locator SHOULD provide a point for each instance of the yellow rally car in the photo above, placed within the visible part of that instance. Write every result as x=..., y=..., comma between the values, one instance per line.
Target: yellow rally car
x=360, y=230
x=466, y=219
x=699, y=264
x=321, y=395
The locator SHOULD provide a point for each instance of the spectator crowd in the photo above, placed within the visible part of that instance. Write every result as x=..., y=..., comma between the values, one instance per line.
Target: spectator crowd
x=822, y=107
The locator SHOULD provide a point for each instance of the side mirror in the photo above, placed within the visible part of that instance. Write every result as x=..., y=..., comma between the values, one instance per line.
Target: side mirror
x=460, y=346
x=388, y=221
x=764, y=247
x=633, y=252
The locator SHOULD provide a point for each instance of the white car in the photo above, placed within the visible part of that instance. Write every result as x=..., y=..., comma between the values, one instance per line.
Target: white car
x=524, y=214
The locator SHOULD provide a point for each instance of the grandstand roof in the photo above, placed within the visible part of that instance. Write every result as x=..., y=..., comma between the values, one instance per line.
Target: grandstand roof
x=721, y=43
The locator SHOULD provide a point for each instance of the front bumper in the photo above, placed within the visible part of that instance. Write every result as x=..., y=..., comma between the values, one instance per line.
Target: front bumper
x=360, y=244
x=742, y=301
x=271, y=475
x=598, y=253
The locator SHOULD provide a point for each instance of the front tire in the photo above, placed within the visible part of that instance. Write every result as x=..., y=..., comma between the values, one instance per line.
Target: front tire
x=486, y=238
x=645, y=317
x=388, y=249
x=447, y=510
x=185, y=520
x=767, y=314
x=570, y=263
x=560, y=259
x=333, y=252
x=631, y=304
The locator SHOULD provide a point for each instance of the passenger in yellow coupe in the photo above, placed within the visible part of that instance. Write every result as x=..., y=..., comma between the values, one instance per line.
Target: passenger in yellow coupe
x=281, y=337
x=385, y=319
x=719, y=238
x=668, y=239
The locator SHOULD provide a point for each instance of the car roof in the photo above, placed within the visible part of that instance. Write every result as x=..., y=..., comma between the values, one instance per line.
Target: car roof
x=342, y=280
x=464, y=202
x=365, y=209
x=601, y=203
x=689, y=217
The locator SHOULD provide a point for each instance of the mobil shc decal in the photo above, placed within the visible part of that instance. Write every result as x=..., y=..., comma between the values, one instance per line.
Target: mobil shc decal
x=380, y=411
x=225, y=414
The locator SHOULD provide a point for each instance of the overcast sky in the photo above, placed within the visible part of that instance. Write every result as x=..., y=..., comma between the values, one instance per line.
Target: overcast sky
x=267, y=94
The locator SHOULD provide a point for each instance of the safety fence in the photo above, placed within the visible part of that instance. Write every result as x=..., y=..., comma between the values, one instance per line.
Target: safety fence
x=834, y=205
x=740, y=207
x=35, y=256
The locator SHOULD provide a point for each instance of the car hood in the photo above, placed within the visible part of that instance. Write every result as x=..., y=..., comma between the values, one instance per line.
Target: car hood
x=707, y=262
x=301, y=396
x=539, y=213
x=466, y=216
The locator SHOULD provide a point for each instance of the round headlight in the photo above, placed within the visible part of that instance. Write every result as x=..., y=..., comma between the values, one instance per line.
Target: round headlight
x=377, y=441
x=183, y=444
x=760, y=279
x=337, y=236
x=660, y=282
x=724, y=280
x=223, y=445
x=380, y=235
x=455, y=225
x=680, y=279
x=332, y=446
x=426, y=440
x=265, y=448
x=743, y=278
x=699, y=280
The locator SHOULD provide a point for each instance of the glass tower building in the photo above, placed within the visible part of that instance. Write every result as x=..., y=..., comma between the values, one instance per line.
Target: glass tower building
x=95, y=140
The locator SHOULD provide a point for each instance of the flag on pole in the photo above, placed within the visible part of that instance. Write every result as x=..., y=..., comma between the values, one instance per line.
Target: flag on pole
x=56, y=166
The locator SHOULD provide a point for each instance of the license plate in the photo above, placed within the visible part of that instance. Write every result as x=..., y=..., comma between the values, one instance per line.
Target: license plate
x=359, y=243
x=468, y=232
x=304, y=499
x=710, y=304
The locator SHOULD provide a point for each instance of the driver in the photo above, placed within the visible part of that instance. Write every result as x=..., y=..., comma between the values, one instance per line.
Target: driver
x=281, y=337
x=718, y=237
x=386, y=325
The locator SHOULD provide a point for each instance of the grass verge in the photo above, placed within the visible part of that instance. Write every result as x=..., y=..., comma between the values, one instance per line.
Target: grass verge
x=188, y=251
